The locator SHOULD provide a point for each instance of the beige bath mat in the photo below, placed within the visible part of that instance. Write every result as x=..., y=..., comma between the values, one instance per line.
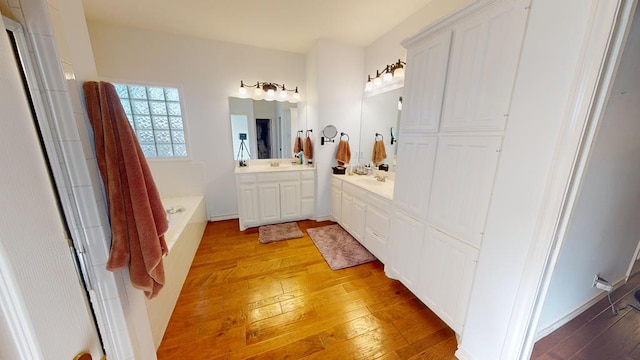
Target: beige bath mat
x=278, y=232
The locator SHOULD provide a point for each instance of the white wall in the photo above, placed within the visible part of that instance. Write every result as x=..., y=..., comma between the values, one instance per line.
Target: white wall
x=207, y=72
x=336, y=73
x=539, y=104
x=605, y=225
x=387, y=48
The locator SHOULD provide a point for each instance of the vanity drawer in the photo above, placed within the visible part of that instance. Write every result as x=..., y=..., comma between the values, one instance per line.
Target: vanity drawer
x=281, y=176
x=336, y=183
x=307, y=175
x=354, y=190
x=379, y=202
x=246, y=179
x=307, y=188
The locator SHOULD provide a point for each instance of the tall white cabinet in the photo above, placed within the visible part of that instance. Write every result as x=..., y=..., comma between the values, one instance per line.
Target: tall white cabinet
x=460, y=74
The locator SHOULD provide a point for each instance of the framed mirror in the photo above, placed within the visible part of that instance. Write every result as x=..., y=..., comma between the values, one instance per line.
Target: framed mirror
x=264, y=129
x=380, y=119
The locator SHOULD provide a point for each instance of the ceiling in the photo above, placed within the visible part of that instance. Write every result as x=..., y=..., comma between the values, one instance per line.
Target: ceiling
x=288, y=25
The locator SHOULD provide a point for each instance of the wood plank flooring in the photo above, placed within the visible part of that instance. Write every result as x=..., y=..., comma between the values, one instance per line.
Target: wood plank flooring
x=598, y=333
x=246, y=300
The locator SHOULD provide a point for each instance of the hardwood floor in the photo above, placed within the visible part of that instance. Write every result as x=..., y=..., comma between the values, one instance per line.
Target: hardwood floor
x=598, y=333
x=246, y=300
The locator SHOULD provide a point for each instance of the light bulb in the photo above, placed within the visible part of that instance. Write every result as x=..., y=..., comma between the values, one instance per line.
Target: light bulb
x=296, y=95
x=258, y=91
x=387, y=77
x=399, y=73
x=377, y=81
x=283, y=94
x=242, y=91
x=270, y=93
x=368, y=86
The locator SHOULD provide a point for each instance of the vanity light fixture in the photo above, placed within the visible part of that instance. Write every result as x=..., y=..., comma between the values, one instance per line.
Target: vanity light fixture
x=270, y=91
x=390, y=73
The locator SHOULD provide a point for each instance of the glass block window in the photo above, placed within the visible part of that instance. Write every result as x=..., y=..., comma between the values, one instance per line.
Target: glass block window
x=155, y=114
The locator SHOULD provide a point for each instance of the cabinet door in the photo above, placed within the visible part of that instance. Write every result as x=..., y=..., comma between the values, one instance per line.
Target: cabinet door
x=336, y=204
x=377, y=232
x=289, y=200
x=447, y=269
x=347, y=201
x=248, y=205
x=269, y=202
x=416, y=159
x=405, y=248
x=424, y=84
x=462, y=185
x=358, y=218
x=307, y=203
x=482, y=69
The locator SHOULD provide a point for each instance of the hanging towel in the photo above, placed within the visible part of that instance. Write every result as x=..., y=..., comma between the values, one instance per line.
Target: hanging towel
x=138, y=220
x=379, y=152
x=297, y=144
x=308, y=148
x=343, y=154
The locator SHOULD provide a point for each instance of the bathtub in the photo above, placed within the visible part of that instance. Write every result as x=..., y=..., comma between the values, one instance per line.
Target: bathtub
x=187, y=219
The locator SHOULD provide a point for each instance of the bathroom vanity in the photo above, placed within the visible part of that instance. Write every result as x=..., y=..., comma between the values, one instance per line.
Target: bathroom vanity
x=273, y=194
x=362, y=206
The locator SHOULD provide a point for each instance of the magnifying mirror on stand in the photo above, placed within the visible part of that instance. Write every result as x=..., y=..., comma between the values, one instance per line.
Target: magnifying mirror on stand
x=328, y=133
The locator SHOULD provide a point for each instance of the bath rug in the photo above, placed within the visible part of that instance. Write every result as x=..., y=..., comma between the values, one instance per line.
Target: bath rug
x=339, y=249
x=278, y=232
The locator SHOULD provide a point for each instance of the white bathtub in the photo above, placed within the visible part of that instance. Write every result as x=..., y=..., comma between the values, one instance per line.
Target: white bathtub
x=183, y=238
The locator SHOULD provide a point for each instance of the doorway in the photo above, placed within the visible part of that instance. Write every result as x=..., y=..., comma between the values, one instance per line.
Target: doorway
x=263, y=138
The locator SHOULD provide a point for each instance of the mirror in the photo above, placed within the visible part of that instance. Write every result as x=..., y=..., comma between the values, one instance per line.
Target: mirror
x=264, y=129
x=380, y=115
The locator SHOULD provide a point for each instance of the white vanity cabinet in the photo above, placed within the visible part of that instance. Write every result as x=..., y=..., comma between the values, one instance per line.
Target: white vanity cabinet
x=362, y=212
x=271, y=197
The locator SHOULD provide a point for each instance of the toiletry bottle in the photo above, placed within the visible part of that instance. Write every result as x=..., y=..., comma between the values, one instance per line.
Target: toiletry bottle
x=301, y=157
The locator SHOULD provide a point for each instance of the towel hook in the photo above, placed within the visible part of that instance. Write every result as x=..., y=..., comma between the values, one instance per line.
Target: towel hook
x=381, y=137
x=344, y=134
x=299, y=132
x=309, y=131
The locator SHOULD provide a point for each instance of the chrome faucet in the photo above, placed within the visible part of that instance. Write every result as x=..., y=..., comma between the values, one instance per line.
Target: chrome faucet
x=381, y=178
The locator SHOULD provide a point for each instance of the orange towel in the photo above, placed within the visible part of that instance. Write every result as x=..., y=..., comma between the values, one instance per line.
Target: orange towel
x=308, y=148
x=379, y=152
x=297, y=145
x=138, y=220
x=343, y=154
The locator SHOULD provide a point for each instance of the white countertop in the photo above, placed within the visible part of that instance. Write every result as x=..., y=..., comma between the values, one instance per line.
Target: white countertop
x=263, y=168
x=369, y=183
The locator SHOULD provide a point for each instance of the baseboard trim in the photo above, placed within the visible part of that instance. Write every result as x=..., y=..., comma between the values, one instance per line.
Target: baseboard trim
x=223, y=217
x=572, y=315
x=462, y=354
x=323, y=218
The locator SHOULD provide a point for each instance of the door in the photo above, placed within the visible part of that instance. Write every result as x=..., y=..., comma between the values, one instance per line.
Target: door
x=336, y=204
x=289, y=200
x=263, y=138
x=482, y=69
x=248, y=206
x=347, y=201
x=405, y=247
x=37, y=271
x=462, y=185
x=424, y=84
x=359, y=214
x=269, y=202
x=414, y=173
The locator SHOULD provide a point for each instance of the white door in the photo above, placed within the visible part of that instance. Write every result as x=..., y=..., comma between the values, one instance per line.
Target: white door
x=462, y=185
x=41, y=294
x=405, y=248
x=269, y=202
x=307, y=196
x=290, y=200
x=359, y=214
x=424, y=85
x=248, y=206
x=482, y=69
x=447, y=268
x=414, y=173
x=336, y=204
x=347, y=201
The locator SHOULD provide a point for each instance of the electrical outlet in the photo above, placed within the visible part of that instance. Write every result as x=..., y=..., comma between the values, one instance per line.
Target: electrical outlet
x=595, y=280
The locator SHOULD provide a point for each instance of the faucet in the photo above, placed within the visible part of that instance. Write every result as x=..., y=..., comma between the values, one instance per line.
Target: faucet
x=381, y=178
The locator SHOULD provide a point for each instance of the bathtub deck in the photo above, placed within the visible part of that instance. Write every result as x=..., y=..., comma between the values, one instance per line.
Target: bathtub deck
x=243, y=299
